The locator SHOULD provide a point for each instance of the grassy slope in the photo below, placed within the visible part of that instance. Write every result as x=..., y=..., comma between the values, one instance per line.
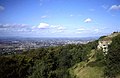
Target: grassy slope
x=83, y=70
x=90, y=72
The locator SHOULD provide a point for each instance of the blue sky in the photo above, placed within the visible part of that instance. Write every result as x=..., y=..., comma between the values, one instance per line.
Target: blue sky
x=59, y=18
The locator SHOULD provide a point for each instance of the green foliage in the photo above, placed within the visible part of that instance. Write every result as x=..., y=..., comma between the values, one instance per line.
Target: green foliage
x=102, y=37
x=92, y=45
x=99, y=55
x=51, y=62
x=57, y=60
x=14, y=66
x=113, y=58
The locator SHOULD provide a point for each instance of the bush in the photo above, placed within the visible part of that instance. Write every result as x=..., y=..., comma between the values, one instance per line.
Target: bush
x=113, y=58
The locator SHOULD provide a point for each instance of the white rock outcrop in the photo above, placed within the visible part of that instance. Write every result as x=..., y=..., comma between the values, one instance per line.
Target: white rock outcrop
x=103, y=44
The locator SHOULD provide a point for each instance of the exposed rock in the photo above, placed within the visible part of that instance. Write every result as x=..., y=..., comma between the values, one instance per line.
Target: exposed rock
x=105, y=42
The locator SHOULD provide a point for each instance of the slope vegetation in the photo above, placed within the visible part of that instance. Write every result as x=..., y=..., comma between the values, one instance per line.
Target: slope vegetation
x=70, y=61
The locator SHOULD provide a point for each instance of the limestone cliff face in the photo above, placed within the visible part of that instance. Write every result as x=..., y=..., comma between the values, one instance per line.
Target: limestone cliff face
x=105, y=42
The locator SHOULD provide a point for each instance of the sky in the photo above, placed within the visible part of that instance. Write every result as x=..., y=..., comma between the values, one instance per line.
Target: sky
x=59, y=18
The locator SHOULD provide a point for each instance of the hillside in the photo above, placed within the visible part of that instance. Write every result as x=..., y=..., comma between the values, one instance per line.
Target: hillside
x=88, y=69
x=70, y=61
x=98, y=62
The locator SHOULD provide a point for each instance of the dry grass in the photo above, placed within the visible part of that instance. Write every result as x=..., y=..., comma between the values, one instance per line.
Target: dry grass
x=82, y=70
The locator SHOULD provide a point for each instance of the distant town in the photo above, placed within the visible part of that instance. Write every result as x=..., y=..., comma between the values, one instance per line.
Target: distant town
x=19, y=45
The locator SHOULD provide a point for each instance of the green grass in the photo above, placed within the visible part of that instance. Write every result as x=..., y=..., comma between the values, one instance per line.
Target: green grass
x=78, y=71
x=90, y=72
x=88, y=69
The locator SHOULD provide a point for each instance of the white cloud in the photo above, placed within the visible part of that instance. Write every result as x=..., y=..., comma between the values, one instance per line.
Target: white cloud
x=97, y=30
x=71, y=15
x=36, y=29
x=44, y=16
x=57, y=27
x=90, y=30
x=2, y=8
x=15, y=27
x=87, y=20
x=115, y=7
x=58, y=31
x=81, y=29
x=43, y=25
x=53, y=26
x=105, y=6
x=61, y=28
x=22, y=30
x=78, y=32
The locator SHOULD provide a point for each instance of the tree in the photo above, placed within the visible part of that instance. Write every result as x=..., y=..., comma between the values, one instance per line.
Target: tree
x=113, y=58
